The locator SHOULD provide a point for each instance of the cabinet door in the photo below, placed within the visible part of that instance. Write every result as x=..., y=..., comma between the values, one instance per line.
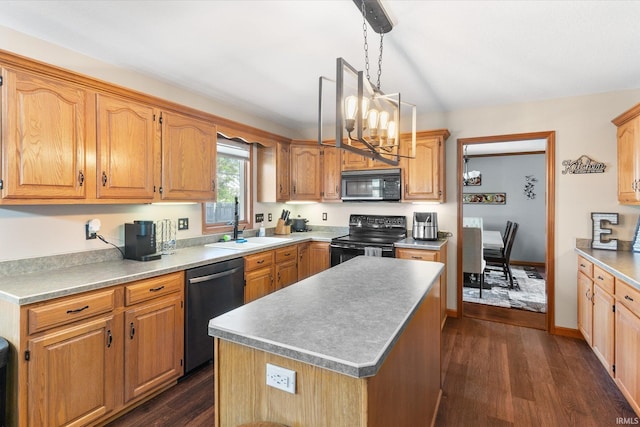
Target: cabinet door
x=585, y=307
x=603, y=329
x=319, y=259
x=126, y=149
x=423, y=175
x=303, y=261
x=188, y=158
x=286, y=273
x=331, y=169
x=258, y=283
x=45, y=132
x=71, y=374
x=627, y=355
x=353, y=161
x=154, y=334
x=283, y=166
x=628, y=154
x=305, y=172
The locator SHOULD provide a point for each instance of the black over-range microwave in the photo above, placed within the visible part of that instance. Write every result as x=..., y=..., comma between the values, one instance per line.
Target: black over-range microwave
x=373, y=185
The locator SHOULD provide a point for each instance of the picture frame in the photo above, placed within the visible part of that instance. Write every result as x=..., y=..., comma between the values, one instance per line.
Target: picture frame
x=474, y=182
x=484, y=198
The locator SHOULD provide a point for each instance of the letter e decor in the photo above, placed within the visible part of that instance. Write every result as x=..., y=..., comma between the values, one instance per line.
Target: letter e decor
x=598, y=231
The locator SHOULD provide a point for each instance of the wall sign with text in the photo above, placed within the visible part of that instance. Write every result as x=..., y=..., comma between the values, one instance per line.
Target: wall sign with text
x=583, y=164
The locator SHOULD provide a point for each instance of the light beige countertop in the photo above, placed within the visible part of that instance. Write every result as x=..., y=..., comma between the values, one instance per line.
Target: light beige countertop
x=623, y=264
x=27, y=288
x=430, y=245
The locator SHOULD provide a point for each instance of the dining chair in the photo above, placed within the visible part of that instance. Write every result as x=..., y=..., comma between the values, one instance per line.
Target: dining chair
x=502, y=257
x=507, y=229
x=472, y=254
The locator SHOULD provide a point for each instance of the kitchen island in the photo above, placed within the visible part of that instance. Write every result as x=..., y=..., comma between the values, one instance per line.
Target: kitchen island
x=363, y=339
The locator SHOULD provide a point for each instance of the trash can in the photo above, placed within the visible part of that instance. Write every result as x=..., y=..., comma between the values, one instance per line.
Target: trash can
x=4, y=357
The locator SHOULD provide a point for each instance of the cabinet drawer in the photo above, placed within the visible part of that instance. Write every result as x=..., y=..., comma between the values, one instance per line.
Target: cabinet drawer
x=585, y=266
x=286, y=253
x=154, y=287
x=604, y=279
x=70, y=310
x=629, y=296
x=419, y=254
x=259, y=260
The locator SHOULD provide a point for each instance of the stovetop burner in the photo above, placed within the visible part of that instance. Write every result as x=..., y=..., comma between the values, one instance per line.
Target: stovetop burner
x=374, y=230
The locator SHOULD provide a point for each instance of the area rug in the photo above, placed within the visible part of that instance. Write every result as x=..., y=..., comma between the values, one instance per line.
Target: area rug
x=528, y=291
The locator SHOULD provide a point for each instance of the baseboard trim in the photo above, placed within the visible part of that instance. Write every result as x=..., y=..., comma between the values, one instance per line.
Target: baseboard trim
x=452, y=313
x=567, y=332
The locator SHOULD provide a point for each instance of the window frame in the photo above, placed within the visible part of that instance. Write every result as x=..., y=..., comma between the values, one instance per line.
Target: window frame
x=247, y=223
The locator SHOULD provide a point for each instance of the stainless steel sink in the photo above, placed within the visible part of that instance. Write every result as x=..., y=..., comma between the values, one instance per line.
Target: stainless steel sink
x=251, y=243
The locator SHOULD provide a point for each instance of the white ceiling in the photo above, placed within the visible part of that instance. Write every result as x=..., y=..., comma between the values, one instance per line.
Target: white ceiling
x=264, y=57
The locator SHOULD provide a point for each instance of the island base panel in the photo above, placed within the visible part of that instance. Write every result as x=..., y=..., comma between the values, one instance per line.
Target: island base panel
x=405, y=391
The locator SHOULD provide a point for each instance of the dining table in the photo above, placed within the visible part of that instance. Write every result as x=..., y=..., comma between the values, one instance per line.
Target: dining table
x=492, y=240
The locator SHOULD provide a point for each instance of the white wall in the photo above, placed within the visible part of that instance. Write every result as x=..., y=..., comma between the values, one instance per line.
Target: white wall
x=506, y=174
x=582, y=125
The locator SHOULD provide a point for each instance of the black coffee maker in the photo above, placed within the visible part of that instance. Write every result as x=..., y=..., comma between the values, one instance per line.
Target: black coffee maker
x=140, y=241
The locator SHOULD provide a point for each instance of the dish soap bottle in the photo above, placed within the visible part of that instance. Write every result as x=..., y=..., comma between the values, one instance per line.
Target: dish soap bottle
x=261, y=232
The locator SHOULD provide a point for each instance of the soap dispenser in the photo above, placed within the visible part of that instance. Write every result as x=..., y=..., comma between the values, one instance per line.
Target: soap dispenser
x=261, y=232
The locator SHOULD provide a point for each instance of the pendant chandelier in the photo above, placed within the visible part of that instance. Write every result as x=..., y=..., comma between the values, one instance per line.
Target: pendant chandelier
x=367, y=119
x=468, y=177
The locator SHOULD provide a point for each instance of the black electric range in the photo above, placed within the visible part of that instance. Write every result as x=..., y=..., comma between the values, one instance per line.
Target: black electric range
x=369, y=235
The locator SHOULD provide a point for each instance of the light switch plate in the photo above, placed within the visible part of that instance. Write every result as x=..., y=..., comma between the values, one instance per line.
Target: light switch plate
x=183, y=223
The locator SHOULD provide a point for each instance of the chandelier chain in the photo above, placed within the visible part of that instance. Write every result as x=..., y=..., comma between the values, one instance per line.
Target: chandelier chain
x=366, y=47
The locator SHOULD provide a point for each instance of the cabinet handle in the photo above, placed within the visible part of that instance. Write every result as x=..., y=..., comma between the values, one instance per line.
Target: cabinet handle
x=280, y=188
x=109, y=338
x=271, y=278
x=279, y=278
x=583, y=266
x=159, y=288
x=600, y=278
x=77, y=310
x=294, y=189
x=104, y=179
x=213, y=185
x=287, y=254
x=627, y=297
x=416, y=257
x=81, y=178
x=260, y=261
x=132, y=330
x=406, y=189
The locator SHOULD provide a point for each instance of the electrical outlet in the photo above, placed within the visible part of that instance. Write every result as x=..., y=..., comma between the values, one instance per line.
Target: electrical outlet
x=91, y=229
x=324, y=216
x=270, y=217
x=183, y=223
x=259, y=217
x=281, y=378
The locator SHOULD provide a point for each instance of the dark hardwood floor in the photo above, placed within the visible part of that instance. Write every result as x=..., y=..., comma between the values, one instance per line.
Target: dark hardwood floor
x=494, y=375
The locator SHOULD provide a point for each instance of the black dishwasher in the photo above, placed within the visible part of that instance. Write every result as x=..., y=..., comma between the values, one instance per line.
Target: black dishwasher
x=211, y=290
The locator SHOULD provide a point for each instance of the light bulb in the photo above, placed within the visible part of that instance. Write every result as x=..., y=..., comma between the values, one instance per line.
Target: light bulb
x=373, y=122
x=391, y=132
x=383, y=121
x=350, y=107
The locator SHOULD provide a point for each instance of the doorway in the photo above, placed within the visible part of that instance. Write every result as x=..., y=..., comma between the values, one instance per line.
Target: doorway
x=526, y=318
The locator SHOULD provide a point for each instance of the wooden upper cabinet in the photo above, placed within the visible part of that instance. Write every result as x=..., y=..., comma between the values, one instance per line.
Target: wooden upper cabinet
x=628, y=158
x=331, y=169
x=283, y=172
x=46, y=125
x=352, y=161
x=188, y=158
x=423, y=175
x=126, y=141
x=306, y=179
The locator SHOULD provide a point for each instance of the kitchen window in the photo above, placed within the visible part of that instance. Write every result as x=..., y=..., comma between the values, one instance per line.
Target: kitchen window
x=233, y=179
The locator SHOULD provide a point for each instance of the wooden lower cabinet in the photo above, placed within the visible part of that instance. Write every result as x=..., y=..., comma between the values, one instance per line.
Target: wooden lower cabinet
x=286, y=268
x=153, y=345
x=72, y=374
x=627, y=343
x=431, y=255
x=319, y=257
x=88, y=357
x=603, y=327
x=585, y=307
x=258, y=275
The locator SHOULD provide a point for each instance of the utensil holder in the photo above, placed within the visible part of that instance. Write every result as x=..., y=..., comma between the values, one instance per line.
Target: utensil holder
x=281, y=228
